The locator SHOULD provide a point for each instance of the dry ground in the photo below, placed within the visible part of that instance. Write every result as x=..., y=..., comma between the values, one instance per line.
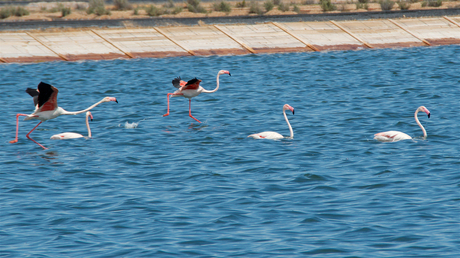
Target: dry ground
x=42, y=10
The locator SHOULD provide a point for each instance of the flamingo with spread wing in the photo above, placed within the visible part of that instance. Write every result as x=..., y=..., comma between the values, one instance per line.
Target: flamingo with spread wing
x=46, y=107
x=191, y=89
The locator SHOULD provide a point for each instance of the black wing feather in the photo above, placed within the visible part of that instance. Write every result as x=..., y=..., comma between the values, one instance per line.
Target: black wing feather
x=176, y=82
x=33, y=93
x=45, y=91
x=192, y=81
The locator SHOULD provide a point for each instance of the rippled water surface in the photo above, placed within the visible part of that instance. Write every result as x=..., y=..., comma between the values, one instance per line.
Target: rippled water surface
x=153, y=186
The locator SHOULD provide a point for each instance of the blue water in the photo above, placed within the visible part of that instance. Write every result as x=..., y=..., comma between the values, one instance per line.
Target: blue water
x=172, y=187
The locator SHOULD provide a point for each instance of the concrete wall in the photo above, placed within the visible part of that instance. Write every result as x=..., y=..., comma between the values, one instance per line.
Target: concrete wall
x=226, y=39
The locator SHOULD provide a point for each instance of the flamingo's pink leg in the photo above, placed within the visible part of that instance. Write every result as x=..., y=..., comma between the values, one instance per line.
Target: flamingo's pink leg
x=190, y=110
x=17, y=127
x=27, y=135
x=167, y=113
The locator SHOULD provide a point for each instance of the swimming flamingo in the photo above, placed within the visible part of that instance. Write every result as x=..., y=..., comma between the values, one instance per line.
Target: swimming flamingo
x=66, y=136
x=394, y=136
x=274, y=135
x=46, y=108
x=191, y=89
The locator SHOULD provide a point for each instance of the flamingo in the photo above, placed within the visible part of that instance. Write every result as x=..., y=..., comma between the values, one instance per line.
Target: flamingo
x=274, y=135
x=46, y=107
x=394, y=136
x=191, y=89
x=66, y=136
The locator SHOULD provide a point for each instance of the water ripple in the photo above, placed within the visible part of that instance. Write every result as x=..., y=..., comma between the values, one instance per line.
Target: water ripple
x=153, y=186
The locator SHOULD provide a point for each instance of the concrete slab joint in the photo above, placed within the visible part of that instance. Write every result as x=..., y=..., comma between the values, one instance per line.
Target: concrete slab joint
x=42, y=43
x=410, y=32
x=113, y=44
x=351, y=34
x=174, y=41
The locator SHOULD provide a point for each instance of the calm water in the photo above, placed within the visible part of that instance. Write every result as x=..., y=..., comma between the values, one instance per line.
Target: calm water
x=174, y=188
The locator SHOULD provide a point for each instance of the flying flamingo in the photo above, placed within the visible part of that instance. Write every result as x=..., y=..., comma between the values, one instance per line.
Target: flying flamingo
x=274, y=135
x=394, y=136
x=66, y=136
x=191, y=89
x=46, y=107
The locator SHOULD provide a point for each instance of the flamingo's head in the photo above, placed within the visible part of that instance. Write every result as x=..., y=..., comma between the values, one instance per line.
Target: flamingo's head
x=224, y=72
x=108, y=99
x=90, y=115
x=424, y=109
x=287, y=106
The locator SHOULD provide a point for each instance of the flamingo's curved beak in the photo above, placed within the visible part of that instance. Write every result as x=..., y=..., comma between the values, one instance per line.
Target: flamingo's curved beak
x=424, y=109
x=229, y=74
x=111, y=99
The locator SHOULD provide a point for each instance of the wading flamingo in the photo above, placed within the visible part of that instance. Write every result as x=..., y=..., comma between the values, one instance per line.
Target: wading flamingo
x=66, y=136
x=191, y=89
x=275, y=135
x=394, y=136
x=46, y=107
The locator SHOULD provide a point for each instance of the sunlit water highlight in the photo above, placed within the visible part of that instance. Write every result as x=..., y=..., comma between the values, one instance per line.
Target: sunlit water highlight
x=153, y=186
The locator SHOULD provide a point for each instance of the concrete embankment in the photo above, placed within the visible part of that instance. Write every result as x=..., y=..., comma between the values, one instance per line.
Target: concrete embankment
x=226, y=38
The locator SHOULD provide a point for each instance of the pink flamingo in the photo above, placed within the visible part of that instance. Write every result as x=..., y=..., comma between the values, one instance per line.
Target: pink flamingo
x=46, y=107
x=394, y=136
x=66, y=136
x=274, y=135
x=191, y=89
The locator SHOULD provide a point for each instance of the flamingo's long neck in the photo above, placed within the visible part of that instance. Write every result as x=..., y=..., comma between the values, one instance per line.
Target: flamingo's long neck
x=217, y=87
x=289, y=124
x=84, y=110
x=419, y=124
x=87, y=125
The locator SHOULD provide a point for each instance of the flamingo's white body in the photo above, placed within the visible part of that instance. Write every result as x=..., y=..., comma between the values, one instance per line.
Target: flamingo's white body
x=394, y=136
x=190, y=93
x=191, y=89
x=46, y=107
x=70, y=135
x=274, y=135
